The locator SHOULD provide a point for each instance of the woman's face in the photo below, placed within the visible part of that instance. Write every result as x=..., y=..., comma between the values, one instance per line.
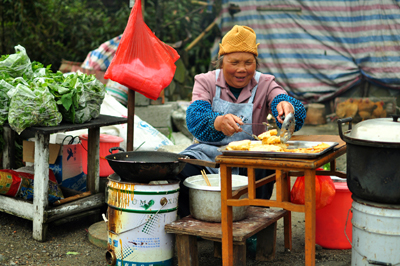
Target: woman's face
x=238, y=68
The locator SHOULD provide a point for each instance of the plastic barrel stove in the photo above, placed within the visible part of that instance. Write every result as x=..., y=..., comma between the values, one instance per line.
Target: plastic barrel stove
x=376, y=233
x=137, y=214
x=332, y=220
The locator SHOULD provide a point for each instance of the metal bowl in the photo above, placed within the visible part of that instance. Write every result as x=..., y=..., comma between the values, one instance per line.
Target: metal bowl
x=205, y=201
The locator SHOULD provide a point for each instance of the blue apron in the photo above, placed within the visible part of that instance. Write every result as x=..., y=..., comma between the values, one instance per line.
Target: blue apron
x=207, y=151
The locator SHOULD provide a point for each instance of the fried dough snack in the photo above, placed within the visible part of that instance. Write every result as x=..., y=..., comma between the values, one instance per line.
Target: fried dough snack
x=270, y=137
x=271, y=142
x=240, y=145
x=267, y=134
x=262, y=147
x=315, y=149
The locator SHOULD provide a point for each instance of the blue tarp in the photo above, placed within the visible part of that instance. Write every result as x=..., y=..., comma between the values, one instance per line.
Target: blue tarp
x=319, y=49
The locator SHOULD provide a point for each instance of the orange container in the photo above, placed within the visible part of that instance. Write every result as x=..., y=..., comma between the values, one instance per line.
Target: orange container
x=332, y=220
x=106, y=142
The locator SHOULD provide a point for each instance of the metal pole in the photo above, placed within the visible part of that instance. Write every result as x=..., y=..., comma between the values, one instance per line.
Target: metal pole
x=131, y=116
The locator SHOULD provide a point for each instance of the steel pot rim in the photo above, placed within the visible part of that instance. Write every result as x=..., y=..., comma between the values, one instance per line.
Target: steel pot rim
x=356, y=141
x=211, y=177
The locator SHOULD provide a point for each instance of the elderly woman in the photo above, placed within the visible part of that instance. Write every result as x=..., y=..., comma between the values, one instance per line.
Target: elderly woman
x=226, y=98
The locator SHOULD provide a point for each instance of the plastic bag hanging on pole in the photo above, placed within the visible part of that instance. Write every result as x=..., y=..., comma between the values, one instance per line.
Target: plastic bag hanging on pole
x=142, y=62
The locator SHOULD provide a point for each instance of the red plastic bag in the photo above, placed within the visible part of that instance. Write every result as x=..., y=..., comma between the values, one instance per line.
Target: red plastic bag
x=142, y=62
x=324, y=191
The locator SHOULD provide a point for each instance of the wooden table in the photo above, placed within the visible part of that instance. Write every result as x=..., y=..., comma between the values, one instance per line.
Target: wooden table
x=284, y=167
x=260, y=221
x=38, y=211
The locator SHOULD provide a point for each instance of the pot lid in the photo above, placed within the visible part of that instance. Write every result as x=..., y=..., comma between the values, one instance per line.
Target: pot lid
x=379, y=129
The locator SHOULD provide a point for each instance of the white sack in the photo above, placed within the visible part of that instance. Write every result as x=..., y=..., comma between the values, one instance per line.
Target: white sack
x=145, y=134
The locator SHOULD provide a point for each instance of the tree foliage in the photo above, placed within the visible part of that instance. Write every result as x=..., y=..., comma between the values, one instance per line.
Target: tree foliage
x=183, y=21
x=52, y=30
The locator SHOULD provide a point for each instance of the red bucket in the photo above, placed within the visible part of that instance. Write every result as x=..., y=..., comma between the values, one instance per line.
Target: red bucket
x=106, y=142
x=332, y=220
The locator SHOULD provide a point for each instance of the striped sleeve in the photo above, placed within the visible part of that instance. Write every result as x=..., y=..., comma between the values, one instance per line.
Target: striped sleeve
x=299, y=110
x=200, y=122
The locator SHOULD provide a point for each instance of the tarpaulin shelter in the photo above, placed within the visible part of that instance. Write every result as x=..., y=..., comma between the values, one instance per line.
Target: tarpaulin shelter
x=319, y=49
x=100, y=58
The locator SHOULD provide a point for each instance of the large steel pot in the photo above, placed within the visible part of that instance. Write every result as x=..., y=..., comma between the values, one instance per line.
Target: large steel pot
x=205, y=201
x=373, y=158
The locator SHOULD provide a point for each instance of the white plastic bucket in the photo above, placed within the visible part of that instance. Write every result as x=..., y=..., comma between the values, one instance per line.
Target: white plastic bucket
x=137, y=214
x=376, y=233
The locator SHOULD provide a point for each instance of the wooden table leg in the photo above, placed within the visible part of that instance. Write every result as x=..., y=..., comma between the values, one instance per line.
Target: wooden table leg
x=283, y=195
x=310, y=223
x=287, y=220
x=251, y=188
x=287, y=230
x=186, y=246
x=239, y=253
x=40, y=193
x=266, y=243
x=226, y=216
x=93, y=161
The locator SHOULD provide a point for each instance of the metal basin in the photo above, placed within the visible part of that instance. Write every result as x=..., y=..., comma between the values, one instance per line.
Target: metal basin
x=205, y=201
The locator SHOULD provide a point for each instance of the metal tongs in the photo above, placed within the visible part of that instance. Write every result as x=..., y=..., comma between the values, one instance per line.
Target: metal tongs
x=252, y=135
x=258, y=124
x=287, y=128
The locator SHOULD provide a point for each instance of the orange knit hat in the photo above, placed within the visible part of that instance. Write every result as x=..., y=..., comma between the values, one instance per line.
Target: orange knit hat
x=239, y=39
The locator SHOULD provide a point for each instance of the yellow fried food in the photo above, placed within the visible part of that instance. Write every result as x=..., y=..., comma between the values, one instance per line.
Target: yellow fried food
x=272, y=144
x=259, y=146
x=274, y=140
x=321, y=146
x=240, y=145
x=267, y=134
x=273, y=132
x=282, y=145
x=301, y=150
x=315, y=149
x=262, y=147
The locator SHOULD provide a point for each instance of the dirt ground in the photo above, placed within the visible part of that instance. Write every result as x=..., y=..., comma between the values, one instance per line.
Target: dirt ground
x=68, y=244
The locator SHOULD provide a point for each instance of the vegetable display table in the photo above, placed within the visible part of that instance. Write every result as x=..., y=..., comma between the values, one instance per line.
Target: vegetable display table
x=284, y=167
x=39, y=210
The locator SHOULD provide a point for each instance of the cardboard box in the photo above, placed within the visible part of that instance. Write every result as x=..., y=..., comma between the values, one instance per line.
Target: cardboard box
x=28, y=152
x=64, y=160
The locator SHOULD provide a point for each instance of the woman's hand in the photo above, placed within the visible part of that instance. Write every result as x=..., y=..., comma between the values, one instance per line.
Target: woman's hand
x=284, y=108
x=228, y=124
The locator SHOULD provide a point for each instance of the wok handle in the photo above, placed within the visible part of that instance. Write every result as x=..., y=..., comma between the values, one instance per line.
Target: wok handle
x=199, y=162
x=116, y=148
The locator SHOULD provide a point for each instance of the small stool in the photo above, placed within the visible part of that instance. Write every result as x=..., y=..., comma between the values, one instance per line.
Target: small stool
x=260, y=221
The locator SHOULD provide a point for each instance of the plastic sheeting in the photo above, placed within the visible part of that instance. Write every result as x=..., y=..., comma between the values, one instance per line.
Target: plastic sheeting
x=319, y=49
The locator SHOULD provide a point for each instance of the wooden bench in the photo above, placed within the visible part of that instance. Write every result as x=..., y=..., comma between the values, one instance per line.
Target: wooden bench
x=260, y=221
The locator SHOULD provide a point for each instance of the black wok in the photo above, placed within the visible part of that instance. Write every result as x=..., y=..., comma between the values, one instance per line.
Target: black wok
x=145, y=166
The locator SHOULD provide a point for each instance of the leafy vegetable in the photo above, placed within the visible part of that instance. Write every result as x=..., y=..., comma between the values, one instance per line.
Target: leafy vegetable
x=32, y=107
x=79, y=97
x=5, y=87
x=18, y=64
x=32, y=95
